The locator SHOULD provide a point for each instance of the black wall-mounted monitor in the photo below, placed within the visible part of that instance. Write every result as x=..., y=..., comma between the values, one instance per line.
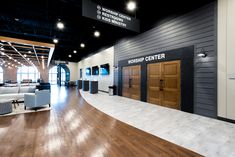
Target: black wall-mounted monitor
x=95, y=70
x=88, y=71
x=104, y=69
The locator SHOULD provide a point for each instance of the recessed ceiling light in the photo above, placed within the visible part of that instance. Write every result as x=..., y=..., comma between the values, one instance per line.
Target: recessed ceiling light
x=55, y=41
x=2, y=49
x=96, y=33
x=29, y=52
x=10, y=57
x=42, y=57
x=74, y=51
x=15, y=60
x=82, y=45
x=2, y=53
x=28, y=59
x=8, y=63
x=70, y=56
x=131, y=5
x=25, y=55
x=60, y=25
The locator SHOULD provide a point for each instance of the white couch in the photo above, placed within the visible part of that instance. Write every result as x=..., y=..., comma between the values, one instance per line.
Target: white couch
x=16, y=93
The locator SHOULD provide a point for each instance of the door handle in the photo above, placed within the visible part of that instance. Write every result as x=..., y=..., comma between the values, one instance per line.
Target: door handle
x=161, y=84
x=130, y=82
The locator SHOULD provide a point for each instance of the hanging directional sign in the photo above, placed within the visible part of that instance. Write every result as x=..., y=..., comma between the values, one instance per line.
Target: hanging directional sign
x=104, y=14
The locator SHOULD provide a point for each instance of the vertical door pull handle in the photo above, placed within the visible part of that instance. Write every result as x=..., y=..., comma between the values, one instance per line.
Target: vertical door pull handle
x=130, y=82
x=161, y=85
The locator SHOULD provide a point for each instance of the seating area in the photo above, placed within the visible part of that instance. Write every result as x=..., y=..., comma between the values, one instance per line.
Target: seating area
x=32, y=97
x=16, y=93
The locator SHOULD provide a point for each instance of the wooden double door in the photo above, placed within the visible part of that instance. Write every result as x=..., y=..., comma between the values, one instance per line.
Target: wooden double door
x=131, y=77
x=163, y=84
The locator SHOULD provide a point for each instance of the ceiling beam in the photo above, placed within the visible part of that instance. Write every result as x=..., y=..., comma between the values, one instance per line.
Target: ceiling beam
x=20, y=54
x=10, y=40
x=29, y=47
x=39, y=53
x=27, y=42
x=36, y=55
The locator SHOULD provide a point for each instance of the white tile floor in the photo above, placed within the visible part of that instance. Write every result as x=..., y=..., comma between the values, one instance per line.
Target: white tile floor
x=203, y=135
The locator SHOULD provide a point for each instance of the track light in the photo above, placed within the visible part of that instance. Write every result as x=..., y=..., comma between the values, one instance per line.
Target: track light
x=131, y=5
x=55, y=41
x=60, y=25
x=96, y=33
x=82, y=45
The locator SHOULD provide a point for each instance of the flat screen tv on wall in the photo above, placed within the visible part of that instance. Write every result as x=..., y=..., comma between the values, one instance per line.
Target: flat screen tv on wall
x=88, y=71
x=95, y=70
x=104, y=69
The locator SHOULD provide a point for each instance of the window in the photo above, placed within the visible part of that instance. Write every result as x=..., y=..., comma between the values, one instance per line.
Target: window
x=63, y=76
x=27, y=72
x=1, y=75
x=53, y=75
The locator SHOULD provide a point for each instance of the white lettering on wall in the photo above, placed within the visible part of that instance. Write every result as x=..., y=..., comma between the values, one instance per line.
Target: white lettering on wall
x=147, y=58
x=137, y=60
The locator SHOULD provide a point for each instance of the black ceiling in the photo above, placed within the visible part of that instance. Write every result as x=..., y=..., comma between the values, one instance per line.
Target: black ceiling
x=36, y=20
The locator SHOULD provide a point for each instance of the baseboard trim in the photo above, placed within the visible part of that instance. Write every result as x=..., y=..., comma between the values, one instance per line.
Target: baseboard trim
x=226, y=119
x=103, y=91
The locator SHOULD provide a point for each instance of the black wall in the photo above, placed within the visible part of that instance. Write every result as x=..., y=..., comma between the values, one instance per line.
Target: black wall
x=197, y=28
x=185, y=56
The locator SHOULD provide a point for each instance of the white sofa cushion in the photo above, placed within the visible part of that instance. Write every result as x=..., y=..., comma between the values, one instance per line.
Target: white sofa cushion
x=27, y=89
x=16, y=93
x=9, y=90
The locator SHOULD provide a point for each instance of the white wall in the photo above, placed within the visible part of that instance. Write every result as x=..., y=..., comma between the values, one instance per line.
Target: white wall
x=102, y=57
x=73, y=67
x=226, y=59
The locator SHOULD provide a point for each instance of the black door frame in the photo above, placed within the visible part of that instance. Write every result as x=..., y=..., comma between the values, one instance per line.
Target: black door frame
x=67, y=73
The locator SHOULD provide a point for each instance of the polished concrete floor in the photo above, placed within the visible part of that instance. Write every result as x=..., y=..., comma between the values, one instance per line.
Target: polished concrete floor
x=73, y=128
x=206, y=136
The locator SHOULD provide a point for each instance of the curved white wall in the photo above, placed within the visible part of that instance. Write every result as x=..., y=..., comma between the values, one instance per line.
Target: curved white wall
x=102, y=57
x=73, y=71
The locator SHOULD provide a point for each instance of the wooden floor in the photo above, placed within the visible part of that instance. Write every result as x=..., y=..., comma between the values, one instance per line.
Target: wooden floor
x=74, y=128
